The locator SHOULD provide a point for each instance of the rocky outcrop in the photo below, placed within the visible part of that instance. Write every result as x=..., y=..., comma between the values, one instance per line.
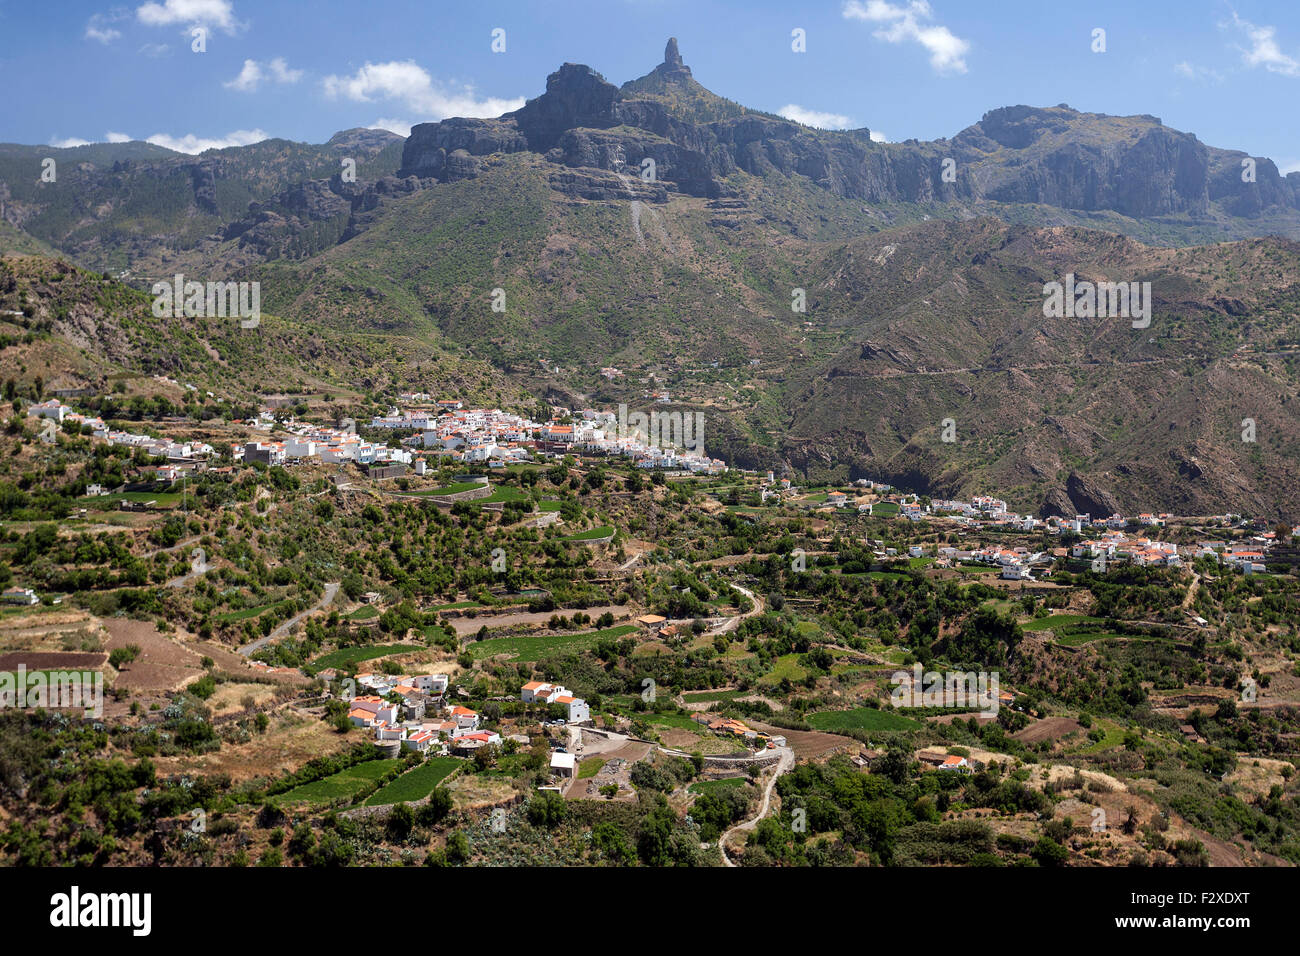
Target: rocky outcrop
x=203, y=176
x=1090, y=497
x=1052, y=156
x=270, y=227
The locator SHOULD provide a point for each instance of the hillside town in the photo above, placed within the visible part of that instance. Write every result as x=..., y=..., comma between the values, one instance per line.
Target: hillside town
x=444, y=433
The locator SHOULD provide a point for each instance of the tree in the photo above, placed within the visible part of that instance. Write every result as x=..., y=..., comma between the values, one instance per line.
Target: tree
x=612, y=843
x=123, y=655
x=457, y=848
x=435, y=810
x=485, y=758
x=546, y=810
x=1048, y=852
x=401, y=820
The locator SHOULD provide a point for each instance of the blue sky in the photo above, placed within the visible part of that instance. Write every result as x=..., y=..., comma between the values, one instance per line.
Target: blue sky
x=88, y=71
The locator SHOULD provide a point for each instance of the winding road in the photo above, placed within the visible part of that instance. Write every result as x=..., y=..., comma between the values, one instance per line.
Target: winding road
x=326, y=600
x=782, y=766
x=731, y=623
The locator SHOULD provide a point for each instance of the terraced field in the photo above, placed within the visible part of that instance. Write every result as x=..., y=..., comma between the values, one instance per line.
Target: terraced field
x=345, y=783
x=415, y=784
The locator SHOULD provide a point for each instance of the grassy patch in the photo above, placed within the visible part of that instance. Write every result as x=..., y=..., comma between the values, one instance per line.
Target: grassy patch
x=861, y=718
x=415, y=784
x=679, y=721
x=1056, y=622
x=533, y=648
x=455, y=488
x=727, y=783
x=1114, y=738
x=786, y=666
x=594, y=534
x=346, y=657
x=590, y=767
x=711, y=696
x=503, y=493
x=163, y=499
x=345, y=783
x=245, y=613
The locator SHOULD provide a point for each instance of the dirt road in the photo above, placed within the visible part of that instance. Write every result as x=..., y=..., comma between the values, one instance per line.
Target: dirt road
x=782, y=766
x=326, y=600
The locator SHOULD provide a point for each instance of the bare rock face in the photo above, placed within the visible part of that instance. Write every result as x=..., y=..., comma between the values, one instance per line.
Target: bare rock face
x=350, y=205
x=672, y=67
x=1057, y=504
x=1089, y=497
x=576, y=97
x=204, y=177
x=428, y=148
x=671, y=57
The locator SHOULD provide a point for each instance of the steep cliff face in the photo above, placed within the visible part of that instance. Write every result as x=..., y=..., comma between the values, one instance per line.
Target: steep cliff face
x=1052, y=156
x=331, y=210
x=1132, y=165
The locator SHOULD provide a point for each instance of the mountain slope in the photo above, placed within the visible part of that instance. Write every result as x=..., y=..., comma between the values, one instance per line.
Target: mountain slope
x=134, y=205
x=1058, y=415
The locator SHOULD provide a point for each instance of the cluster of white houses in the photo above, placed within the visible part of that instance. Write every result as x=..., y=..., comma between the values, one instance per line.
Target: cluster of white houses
x=984, y=511
x=422, y=720
x=179, y=452
x=497, y=437
x=320, y=443
x=446, y=429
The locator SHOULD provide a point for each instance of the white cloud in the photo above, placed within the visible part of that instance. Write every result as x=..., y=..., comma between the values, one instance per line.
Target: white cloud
x=117, y=137
x=104, y=35
x=899, y=24
x=1290, y=168
x=154, y=50
x=190, y=143
x=408, y=83
x=1190, y=71
x=248, y=78
x=281, y=73
x=814, y=118
x=217, y=13
x=69, y=143
x=399, y=126
x=252, y=75
x=97, y=27
x=878, y=137
x=1264, y=50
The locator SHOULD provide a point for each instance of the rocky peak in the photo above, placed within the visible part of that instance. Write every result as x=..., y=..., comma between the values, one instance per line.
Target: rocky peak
x=672, y=68
x=576, y=96
x=671, y=56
